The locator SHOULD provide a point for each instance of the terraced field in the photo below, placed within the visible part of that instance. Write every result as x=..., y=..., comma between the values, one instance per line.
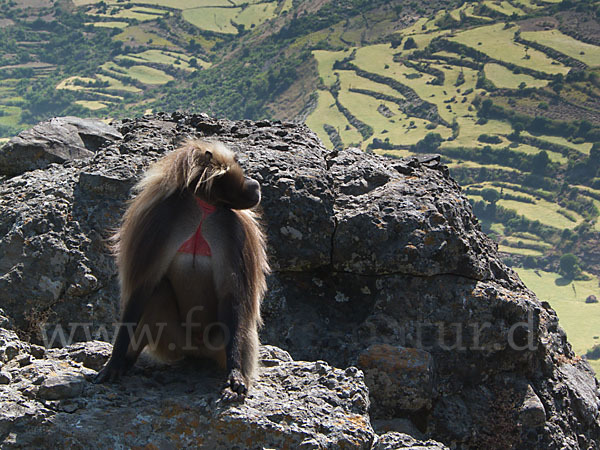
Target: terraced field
x=502, y=77
x=130, y=74
x=586, y=53
x=579, y=319
x=152, y=57
x=224, y=19
x=141, y=14
x=372, y=90
x=497, y=42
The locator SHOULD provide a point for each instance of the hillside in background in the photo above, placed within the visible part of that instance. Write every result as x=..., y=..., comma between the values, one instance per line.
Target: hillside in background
x=507, y=91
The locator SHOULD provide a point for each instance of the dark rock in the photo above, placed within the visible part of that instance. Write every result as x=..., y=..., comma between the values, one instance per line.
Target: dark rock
x=11, y=346
x=288, y=407
x=532, y=412
x=5, y=377
x=395, y=441
x=61, y=386
x=37, y=351
x=23, y=360
x=397, y=425
x=583, y=389
x=399, y=378
x=388, y=222
x=374, y=260
x=92, y=354
x=55, y=141
x=4, y=321
x=452, y=419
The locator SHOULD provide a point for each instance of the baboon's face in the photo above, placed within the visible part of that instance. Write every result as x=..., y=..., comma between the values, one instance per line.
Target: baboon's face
x=229, y=187
x=235, y=190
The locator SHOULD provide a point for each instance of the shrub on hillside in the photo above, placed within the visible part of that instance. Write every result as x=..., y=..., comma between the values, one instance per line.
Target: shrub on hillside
x=569, y=266
x=489, y=139
x=409, y=44
x=430, y=143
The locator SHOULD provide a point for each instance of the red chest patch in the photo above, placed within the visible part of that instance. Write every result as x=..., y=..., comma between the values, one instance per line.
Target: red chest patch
x=196, y=244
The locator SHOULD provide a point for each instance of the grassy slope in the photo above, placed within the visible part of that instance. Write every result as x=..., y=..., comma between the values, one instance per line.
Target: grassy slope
x=497, y=42
x=587, y=53
x=326, y=108
x=221, y=19
x=579, y=319
x=504, y=78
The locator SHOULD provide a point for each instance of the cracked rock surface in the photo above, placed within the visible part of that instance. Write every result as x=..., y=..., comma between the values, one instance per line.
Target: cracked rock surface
x=51, y=403
x=378, y=263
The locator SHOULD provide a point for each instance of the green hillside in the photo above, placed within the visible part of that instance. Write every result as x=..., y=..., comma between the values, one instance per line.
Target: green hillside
x=508, y=92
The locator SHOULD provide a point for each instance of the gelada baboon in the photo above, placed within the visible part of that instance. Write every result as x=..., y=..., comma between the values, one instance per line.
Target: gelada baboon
x=192, y=265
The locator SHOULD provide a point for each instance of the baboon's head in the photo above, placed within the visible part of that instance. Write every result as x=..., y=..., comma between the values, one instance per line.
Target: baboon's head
x=215, y=176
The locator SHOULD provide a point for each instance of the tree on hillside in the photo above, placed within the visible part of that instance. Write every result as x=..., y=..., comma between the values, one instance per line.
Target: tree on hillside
x=594, y=157
x=430, y=143
x=569, y=266
x=540, y=162
x=395, y=41
x=490, y=195
x=409, y=43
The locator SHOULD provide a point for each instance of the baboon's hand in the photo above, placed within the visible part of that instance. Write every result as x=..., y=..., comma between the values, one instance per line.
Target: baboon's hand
x=112, y=371
x=235, y=389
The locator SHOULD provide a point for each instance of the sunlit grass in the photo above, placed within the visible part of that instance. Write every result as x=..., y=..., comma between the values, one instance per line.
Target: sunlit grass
x=504, y=7
x=110, y=24
x=187, y=4
x=521, y=242
x=11, y=116
x=497, y=42
x=69, y=83
x=135, y=34
x=476, y=165
x=141, y=14
x=394, y=153
x=527, y=4
x=519, y=251
x=325, y=61
x=580, y=320
x=349, y=79
x=117, y=85
x=544, y=211
x=148, y=75
x=504, y=78
x=583, y=148
x=220, y=19
x=92, y=104
x=175, y=59
x=587, y=53
x=327, y=112
x=530, y=150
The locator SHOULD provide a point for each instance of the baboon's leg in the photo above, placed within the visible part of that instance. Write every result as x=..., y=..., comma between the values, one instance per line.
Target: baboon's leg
x=161, y=328
x=241, y=349
x=144, y=323
x=118, y=363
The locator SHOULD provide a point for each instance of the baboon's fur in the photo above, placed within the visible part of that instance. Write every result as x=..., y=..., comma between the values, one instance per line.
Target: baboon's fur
x=160, y=285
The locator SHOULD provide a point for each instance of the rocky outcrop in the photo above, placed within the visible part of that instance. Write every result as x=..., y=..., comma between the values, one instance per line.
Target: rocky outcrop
x=57, y=140
x=48, y=402
x=378, y=264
